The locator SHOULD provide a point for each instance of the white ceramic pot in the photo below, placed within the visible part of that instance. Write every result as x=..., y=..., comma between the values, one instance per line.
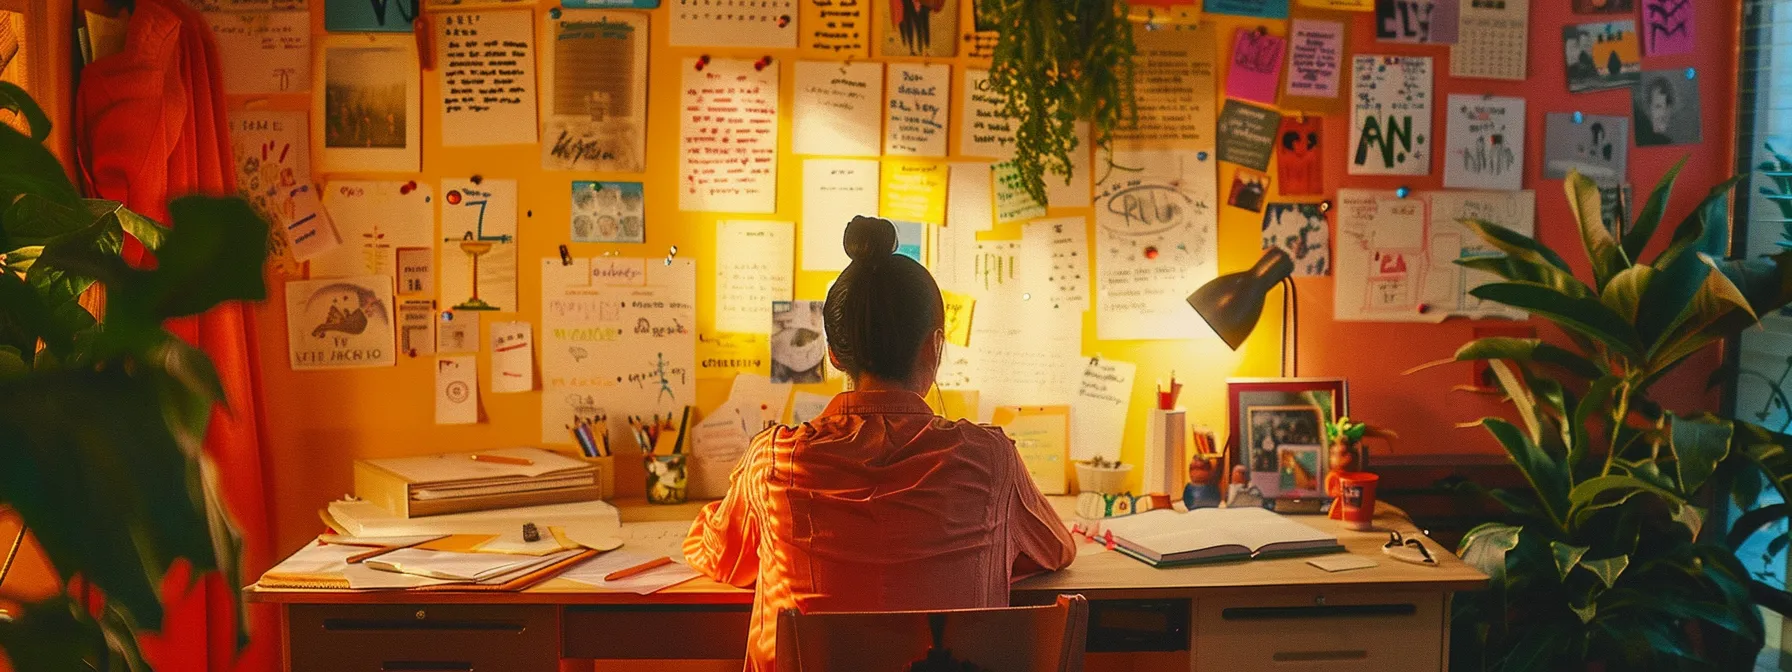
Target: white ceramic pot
x=1105, y=480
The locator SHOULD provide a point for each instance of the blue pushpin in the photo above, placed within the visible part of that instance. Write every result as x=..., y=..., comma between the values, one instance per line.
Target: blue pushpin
x=1201, y=156
x=447, y=316
x=1402, y=192
x=1578, y=117
x=1691, y=73
x=554, y=13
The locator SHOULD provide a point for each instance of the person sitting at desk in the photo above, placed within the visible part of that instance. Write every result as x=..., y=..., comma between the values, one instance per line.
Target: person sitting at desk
x=877, y=504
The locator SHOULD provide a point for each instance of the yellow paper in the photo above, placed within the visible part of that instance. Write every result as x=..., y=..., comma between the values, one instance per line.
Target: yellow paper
x=1341, y=5
x=722, y=355
x=958, y=317
x=954, y=404
x=914, y=191
x=1042, y=435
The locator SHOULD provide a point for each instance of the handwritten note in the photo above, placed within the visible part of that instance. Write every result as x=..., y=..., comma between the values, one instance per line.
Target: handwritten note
x=1013, y=203
x=834, y=191
x=478, y=245
x=838, y=108
x=1042, y=435
x=1391, y=119
x=1174, y=86
x=768, y=24
x=726, y=355
x=1155, y=233
x=1315, y=57
x=729, y=137
x=753, y=268
x=914, y=191
x=1256, y=66
x=487, y=60
x=1098, y=410
x=417, y=326
x=1056, y=252
x=263, y=52
x=1667, y=27
x=1247, y=134
x=916, y=114
x=374, y=219
x=984, y=130
x=1493, y=41
x=1484, y=143
x=594, y=92
x=835, y=29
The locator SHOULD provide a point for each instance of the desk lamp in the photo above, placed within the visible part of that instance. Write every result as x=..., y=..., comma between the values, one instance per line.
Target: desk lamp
x=1232, y=303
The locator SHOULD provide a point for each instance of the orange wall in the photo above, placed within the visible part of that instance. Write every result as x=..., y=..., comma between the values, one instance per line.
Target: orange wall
x=317, y=422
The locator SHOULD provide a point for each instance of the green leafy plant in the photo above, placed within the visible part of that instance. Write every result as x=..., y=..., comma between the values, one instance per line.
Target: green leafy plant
x=1055, y=62
x=102, y=417
x=1603, y=557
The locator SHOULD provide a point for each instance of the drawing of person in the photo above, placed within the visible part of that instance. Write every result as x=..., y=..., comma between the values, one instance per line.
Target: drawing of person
x=1655, y=115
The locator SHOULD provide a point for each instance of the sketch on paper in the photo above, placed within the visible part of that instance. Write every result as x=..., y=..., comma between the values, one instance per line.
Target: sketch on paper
x=340, y=323
x=1396, y=257
x=1484, y=143
x=1667, y=27
x=1300, y=230
x=799, y=342
x=593, y=92
x=608, y=212
x=1602, y=56
x=478, y=246
x=1391, y=116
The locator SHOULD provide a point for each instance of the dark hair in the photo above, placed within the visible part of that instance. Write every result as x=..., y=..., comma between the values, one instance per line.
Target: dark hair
x=884, y=305
x=1660, y=85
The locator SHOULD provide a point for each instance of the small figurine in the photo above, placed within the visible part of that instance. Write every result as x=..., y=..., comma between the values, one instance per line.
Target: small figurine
x=1240, y=493
x=1347, y=454
x=1201, y=492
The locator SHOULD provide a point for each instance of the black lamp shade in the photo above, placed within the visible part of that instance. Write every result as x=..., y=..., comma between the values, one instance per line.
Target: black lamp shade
x=1232, y=303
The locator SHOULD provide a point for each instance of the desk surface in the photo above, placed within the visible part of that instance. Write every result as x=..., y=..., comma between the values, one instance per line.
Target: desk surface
x=1096, y=573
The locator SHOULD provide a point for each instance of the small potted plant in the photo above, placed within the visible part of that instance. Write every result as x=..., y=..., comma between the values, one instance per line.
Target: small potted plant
x=1101, y=475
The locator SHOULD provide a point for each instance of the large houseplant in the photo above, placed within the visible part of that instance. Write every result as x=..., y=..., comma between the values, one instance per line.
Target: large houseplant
x=1603, y=558
x=102, y=416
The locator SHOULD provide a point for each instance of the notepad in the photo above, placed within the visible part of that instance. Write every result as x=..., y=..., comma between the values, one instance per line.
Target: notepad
x=1167, y=538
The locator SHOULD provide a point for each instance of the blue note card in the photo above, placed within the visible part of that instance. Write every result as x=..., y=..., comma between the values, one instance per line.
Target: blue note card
x=610, y=4
x=909, y=236
x=1266, y=9
x=381, y=16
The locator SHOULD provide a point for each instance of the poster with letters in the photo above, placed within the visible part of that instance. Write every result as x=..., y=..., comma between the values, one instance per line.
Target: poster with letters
x=340, y=323
x=1391, y=116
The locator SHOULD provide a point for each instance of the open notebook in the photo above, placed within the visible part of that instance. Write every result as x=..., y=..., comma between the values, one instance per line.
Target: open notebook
x=1167, y=538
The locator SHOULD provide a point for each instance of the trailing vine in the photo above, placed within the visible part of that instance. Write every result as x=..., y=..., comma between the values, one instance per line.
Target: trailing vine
x=1055, y=62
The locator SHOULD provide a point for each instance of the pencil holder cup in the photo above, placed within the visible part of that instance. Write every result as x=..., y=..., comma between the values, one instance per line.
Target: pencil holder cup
x=666, y=478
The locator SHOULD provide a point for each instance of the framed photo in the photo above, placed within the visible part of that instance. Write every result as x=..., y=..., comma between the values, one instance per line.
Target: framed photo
x=1277, y=430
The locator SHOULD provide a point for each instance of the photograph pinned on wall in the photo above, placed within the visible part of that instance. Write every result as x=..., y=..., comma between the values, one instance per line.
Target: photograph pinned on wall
x=919, y=27
x=1249, y=188
x=1666, y=108
x=340, y=323
x=1300, y=230
x=1602, y=56
x=799, y=342
x=368, y=106
x=608, y=212
x=1604, y=6
x=1596, y=146
x=1391, y=118
x=1667, y=27
x=594, y=91
x=376, y=16
x=1300, y=165
x=1484, y=143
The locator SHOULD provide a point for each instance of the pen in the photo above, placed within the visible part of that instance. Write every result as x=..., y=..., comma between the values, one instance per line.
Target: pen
x=637, y=569
x=503, y=459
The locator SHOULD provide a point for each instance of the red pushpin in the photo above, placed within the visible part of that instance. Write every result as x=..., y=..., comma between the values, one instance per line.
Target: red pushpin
x=453, y=197
x=783, y=20
x=1151, y=252
x=408, y=187
x=702, y=61
x=762, y=62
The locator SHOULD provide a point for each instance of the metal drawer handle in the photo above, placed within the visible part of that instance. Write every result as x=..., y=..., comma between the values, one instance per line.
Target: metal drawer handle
x=425, y=666
x=1326, y=611
x=1317, y=656
x=389, y=625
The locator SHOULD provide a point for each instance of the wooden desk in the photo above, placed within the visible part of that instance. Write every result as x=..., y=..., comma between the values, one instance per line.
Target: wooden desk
x=1230, y=617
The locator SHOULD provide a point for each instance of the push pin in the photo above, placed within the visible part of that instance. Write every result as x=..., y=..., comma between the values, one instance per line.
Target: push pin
x=565, y=255
x=453, y=197
x=783, y=20
x=554, y=13
x=762, y=62
x=701, y=62
x=478, y=179
x=1261, y=31
x=1691, y=73
x=530, y=534
x=1200, y=156
x=408, y=187
x=672, y=252
x=1402, y=192
x=412, y=352
x=447, y=316
x=1151, y=252
x=1026, y=296
x=1325, y=206
x=1579, y=118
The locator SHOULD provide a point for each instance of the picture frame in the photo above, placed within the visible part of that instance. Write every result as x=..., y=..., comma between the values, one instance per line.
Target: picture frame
x=1276, y=432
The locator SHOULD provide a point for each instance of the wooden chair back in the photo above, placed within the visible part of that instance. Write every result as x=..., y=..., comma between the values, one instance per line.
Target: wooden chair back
x=1012, y=639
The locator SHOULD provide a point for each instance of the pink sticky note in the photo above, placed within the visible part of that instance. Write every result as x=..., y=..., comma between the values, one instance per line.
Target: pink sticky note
x=1667, y=27
x=1256, y=66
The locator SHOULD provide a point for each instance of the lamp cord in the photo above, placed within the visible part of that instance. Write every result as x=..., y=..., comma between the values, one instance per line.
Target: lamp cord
x=1290, y=326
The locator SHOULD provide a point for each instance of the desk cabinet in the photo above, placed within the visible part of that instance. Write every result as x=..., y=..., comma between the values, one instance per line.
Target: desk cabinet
x=1317, y=632
x=422, y=637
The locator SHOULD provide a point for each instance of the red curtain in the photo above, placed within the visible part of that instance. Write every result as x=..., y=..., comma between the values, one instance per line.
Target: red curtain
x=150, y=126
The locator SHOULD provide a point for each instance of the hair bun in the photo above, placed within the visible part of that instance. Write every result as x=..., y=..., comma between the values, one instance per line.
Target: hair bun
x=870, y=238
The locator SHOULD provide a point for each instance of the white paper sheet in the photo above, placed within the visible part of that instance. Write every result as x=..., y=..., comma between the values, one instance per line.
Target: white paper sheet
x=592, y=572
x=970, y=197
x=457, y=390
x=724, y=434
x=754, y=267
x=1395, y=256
x=834, y=191
x=807, y=406
x=479, y=241
x=728, y=129
x=838, y=108
x=594, y=91
x=263, y=52
x=1315, y=59
x=416, y=271
x=657, y=538
x=1058, y=251
x=1493, y=41
x=1390, y=120
x=983, y=130
x=1098, y=409
x=369, y=106
x=917, y=109
x=954, y=254
x=375, y=219
x=624, y=345
x=513, y=358
x=835, y=29
x=1155, y=233
x=1484, y=143
x=273, y=171
x=764, y=24
x=342, y=323
x=457, y=332
x=1018, y=353
x=487, y=61
x=417, y=327
x=1076, y=191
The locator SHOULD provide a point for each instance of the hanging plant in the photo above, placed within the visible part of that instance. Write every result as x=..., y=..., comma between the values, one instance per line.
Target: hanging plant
x=1055, y=62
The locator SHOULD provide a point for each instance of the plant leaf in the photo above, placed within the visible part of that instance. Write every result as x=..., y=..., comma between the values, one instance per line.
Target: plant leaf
x=1692, y=517
x=216, y=258
x=1649, y=219
x=1608, y=569
x=1586, y=316
x=1595, y=494
x=1485, y=548
x=1567, y=556
x=1699, y=443
x=13, y=97
x=1528, y=350
x=1602, y=250
x=1521, y=398
x=1705, y=229
x=1597, y=399
x=1625, y=291
x=1547, y=477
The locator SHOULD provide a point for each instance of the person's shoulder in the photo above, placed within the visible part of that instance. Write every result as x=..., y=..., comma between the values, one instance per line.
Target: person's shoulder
x=974, y=434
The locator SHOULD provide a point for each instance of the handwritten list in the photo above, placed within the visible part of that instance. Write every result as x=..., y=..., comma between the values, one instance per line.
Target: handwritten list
x=263, y=52
x=837, y=110
x=835, y=29
x=753, y=269
x=1315, y=57
x=1055, y=257
x=914, y=191
x=1098, y=411
x=915, y=116
x=488, y=78
x=983, y=129
x=834, y=191
x=729, y=137
x=1174, y=89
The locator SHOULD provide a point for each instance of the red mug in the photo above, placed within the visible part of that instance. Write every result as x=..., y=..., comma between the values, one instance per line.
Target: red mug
x=1357, y=496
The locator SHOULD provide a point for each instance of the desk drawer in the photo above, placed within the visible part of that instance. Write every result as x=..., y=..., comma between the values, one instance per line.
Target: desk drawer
x=656, y=631
x=423, y=638
x=1301, y=632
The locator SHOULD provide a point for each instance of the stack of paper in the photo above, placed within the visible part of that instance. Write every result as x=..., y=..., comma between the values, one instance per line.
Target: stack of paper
x=580, y=522
x=483, y=568
x=592, y=572
x=458, y=482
